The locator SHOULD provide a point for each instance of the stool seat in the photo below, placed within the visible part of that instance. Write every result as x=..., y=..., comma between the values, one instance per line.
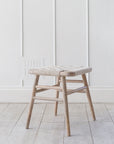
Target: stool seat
x=60, y=70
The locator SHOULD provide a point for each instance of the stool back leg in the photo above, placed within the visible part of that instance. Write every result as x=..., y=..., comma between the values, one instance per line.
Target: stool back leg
x=66, y=105
x=88, y=96
x=32, y=101
x=57, y=94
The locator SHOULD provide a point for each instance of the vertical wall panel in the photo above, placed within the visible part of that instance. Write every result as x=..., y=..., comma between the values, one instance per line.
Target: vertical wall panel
x=10, y=39
x=102, y=42
x=38, y=34
x=38, y=29
x=71, y=45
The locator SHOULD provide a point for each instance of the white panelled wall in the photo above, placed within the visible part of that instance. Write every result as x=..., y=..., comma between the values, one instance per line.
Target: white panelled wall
x=37, y=33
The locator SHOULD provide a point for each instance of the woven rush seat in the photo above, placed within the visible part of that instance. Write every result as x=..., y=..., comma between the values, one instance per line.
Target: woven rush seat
x=61, y=73
x=60, y=70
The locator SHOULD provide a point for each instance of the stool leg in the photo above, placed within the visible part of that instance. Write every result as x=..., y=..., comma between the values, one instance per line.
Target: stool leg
x=32, y=102
x=66, y=105
x=57, y=95
x=88, y=96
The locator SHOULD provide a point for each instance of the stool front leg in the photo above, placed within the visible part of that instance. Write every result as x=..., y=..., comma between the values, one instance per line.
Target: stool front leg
x=32, y=101
x=66, y=105
x=89, y=96
x=57, y=94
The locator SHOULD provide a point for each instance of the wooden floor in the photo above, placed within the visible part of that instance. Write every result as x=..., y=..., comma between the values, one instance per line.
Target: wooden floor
x=45, y=128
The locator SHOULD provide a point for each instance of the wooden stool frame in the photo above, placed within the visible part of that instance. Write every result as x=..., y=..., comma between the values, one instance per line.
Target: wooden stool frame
x=60, y=79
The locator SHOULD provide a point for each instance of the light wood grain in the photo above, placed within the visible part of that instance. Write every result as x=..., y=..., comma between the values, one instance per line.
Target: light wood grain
x=48, y=98
x=57, y=94
x=41, y=90
x=58, y=88
x=88, y=96
x=81, y=89
x=73, y=81
x=66, y=105
x=32, y=101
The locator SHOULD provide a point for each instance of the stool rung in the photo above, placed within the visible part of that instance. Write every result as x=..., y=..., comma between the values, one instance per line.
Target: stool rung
x=48, y=98
x=58, y=88
x=40, y=90
x=79, y=90
x=73, y=81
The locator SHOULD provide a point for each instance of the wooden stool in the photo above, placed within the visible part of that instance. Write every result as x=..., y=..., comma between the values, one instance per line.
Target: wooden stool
x=61, y=73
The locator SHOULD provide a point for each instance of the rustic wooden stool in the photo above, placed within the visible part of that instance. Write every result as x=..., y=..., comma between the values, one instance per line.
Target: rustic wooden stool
x=61, y=73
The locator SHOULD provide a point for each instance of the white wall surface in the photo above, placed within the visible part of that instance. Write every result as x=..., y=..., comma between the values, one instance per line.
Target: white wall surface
x=36, y=33
x=101, y=40
x=10, y=43
x=71, y=45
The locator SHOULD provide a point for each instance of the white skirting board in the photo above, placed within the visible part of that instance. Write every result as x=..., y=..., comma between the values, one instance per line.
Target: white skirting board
x=100, y=95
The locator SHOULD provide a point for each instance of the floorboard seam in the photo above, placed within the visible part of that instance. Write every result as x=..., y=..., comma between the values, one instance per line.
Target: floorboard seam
x=39, y=124
x=109, y=113
x=17, y=120
x=4, y=108
x=89, y=124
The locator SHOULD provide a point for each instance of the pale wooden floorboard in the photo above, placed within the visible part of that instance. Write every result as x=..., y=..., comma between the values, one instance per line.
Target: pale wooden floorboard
x=103, y=128
x=49, y=115
x=110, y=108
x=103, y=132
x=45, y=128
x=3, y=107
x=50, y=133
x=78, y=112
x=80, y=131
x=100, y=112
x=8, y=120
x=20, y=135
x=52, y=128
